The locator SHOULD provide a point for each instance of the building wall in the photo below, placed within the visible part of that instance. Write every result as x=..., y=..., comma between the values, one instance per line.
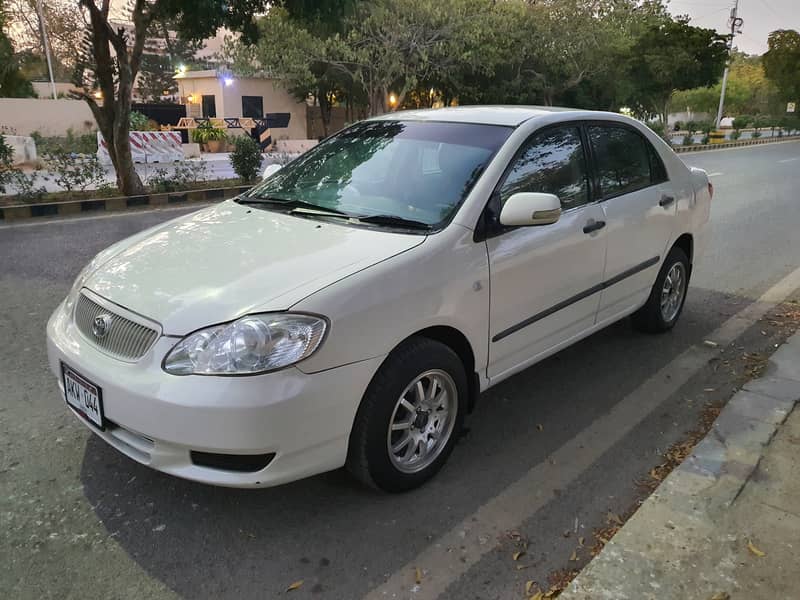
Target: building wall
x=43, y=89
x=229, y=100
x=49, y=117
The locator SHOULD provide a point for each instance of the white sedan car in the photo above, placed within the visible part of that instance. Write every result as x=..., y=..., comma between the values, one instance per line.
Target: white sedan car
x=350, y=308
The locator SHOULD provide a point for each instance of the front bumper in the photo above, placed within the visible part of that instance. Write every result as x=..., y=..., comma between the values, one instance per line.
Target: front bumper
x=159, y=419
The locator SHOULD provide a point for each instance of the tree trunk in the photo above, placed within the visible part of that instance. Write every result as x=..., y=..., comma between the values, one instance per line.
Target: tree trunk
x=115, y=74
x=324, y=101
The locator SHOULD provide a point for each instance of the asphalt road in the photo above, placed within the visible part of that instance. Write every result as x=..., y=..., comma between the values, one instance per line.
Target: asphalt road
x=79, y=520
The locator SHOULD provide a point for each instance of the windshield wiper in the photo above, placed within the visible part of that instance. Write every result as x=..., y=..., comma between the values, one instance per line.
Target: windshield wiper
x=293, y=205
x=394, y=221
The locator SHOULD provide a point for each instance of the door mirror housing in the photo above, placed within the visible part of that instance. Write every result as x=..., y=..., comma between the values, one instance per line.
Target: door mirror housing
x=530, y=208
x=270, y=170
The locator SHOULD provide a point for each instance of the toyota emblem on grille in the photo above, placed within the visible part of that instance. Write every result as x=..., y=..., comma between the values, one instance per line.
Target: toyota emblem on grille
x=101, y=325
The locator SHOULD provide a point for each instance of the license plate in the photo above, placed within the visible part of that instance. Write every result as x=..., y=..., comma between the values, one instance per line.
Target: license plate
x=84, y=396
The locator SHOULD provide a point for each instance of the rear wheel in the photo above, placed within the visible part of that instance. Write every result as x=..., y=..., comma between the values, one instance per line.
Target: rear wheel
x=409, y=418
x=665, y=303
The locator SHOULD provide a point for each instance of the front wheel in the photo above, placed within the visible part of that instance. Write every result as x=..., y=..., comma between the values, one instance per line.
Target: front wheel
x=409, y=418
x=665, y=303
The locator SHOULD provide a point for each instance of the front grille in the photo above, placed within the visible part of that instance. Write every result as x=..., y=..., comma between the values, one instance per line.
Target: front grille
x=124, y=339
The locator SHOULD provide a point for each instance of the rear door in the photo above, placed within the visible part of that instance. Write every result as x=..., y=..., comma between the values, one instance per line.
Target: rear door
x=639, y=205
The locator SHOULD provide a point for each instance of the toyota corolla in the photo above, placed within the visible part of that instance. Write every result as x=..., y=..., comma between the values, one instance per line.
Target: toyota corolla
x=349, y=309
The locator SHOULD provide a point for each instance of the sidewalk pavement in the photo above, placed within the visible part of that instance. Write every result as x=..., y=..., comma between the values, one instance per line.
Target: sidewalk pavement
x=726, y=523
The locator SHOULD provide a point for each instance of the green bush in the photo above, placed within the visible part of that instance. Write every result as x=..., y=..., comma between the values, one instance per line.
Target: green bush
x=206, y=132
x=72, y=172
x=756, y=134
x=26, y=188
x=691, y=126
x=246, y=158
x=705, y=126
x=742, y=121
x=83, y=143
x=706, y=139
x=677, y=126
x=688, y=140
x=736, y=134
x=6, y=167
x=183, y=175
x=140, y=122
x=658, y=128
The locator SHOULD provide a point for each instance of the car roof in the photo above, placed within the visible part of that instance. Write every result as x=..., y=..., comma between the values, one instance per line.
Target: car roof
x=509, y=116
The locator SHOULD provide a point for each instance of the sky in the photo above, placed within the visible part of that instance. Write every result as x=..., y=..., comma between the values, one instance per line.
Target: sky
x=760, y=18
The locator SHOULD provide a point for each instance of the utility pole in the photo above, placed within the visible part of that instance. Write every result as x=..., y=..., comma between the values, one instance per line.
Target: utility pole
x=46, y=45
x=735, y=23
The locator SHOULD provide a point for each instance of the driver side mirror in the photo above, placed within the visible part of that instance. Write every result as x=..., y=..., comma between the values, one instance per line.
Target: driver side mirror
x=530, y=208
x=270, y=170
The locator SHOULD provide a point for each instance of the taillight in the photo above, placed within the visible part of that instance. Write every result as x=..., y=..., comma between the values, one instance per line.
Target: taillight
x=710, y=190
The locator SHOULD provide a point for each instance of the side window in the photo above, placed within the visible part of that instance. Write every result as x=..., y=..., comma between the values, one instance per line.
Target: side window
x=552, y=162
x=623, y=161
x=658, y=172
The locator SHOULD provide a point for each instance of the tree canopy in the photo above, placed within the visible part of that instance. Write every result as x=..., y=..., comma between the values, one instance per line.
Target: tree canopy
x=13, y=83
x=782, y=63
x=593, y=53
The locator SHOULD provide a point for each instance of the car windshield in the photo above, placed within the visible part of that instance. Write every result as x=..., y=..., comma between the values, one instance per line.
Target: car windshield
x=408, y=170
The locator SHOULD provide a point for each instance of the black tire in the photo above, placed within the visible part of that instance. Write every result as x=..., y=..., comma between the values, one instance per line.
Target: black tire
x=650, y=317
x=368, y=454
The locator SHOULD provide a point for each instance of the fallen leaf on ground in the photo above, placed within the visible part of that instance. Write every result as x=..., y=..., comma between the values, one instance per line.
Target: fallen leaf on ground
x=574, y=556
x=755, y=550
x=529, y=585
x=518, y=555
x=540, y=427
x=711, y=344
x=580, y=542
x=709, y=389
x=295, y=585
x=721, y=596
x=613, y=518
x=417, y=576
x=536, y=596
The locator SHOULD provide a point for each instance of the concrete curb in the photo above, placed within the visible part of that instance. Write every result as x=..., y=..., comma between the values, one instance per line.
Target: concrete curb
x=756, y=142
x=677, y=530
x=72, y=207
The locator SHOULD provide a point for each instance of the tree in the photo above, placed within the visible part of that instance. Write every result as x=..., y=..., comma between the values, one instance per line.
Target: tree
x=291, y=51
x=748, y=91
x=782, y=62
x=12, y=83
x=113, y=58
x=164, y=52
x=672, y=55
x=64, y=33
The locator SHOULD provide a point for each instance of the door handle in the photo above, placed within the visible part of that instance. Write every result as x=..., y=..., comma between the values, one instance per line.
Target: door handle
x=666, y=201
x=593, y=226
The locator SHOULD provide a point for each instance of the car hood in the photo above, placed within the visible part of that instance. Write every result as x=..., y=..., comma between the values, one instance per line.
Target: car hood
x=230, y=260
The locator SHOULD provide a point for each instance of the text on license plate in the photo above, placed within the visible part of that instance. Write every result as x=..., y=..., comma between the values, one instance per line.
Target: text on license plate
x=83, y=396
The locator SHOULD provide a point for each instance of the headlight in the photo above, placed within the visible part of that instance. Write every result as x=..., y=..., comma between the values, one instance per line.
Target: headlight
x=253, y=344
x=76, y=287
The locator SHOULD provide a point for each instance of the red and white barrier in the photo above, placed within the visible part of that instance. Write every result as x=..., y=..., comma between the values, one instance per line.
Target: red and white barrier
x=147, y=147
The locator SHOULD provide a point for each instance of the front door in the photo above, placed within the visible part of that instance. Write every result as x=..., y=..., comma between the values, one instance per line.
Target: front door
x=640, y=206
x=545, y=280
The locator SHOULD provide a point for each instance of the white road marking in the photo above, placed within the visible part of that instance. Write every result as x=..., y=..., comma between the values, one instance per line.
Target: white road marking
x=452, y=554
x=786, y=160
x=716, y=174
